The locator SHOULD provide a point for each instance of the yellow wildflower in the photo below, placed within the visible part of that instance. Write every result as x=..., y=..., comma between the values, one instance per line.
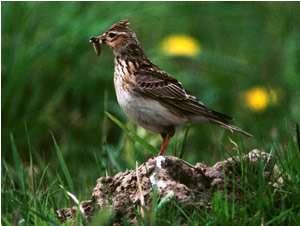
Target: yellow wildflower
x=259, y=98
x=180, y=45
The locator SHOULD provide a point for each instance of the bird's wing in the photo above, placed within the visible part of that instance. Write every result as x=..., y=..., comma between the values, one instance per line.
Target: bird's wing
x=159, y=85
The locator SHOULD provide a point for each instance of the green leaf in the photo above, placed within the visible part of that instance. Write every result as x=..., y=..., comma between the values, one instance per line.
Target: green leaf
x=131, y=133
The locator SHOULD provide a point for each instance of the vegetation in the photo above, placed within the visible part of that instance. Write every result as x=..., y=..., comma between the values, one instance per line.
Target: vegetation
x=241, y=59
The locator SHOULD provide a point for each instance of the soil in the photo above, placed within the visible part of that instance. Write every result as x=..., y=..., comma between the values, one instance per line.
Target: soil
x=173, y=178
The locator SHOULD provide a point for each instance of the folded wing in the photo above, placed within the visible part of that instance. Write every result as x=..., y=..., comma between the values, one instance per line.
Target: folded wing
x=158, y=85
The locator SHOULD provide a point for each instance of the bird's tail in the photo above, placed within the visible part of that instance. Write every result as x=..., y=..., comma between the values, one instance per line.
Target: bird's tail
x=224, y=121
x=232, y=128
x=220, y=119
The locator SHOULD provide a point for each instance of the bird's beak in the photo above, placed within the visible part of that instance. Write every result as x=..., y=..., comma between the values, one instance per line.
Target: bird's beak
x=97, y=43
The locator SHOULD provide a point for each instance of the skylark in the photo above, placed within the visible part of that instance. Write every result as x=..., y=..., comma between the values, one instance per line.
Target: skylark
x=148, y=95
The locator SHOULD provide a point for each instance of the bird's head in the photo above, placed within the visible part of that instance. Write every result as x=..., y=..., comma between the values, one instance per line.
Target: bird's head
x=118, y=36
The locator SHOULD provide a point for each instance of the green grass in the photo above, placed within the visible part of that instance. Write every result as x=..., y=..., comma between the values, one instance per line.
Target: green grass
x=31, y=196
x=57, y=137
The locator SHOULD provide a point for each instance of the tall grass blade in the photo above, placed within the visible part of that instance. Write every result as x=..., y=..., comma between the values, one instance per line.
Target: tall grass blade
x=184, y=142
x=131, y=133
x=63, y=165
x=45, y=218
x=280, y=217
x=111, y=153
x=298, y=135
x=18, y=164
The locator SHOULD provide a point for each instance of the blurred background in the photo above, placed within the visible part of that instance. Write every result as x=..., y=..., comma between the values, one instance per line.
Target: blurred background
x=242, y=59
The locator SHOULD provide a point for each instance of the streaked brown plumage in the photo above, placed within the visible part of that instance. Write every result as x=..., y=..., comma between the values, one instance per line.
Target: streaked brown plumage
x=148, y=95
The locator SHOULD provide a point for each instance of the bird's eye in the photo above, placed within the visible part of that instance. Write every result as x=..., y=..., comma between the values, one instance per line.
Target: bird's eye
x=111, y=35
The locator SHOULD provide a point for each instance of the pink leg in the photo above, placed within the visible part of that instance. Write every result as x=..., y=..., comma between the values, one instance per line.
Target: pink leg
x=164, y=144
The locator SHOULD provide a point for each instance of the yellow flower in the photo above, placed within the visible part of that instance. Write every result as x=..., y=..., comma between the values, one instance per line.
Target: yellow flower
x=257, y=98
x=180, y=45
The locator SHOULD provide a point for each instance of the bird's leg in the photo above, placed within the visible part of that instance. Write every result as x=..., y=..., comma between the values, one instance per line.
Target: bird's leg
x=164, y=144
x=166, y=139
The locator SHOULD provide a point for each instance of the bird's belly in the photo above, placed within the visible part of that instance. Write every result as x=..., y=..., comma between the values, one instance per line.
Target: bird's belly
x=146, y=112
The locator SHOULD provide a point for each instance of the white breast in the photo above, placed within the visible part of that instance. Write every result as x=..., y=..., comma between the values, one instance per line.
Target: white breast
x=146, y=112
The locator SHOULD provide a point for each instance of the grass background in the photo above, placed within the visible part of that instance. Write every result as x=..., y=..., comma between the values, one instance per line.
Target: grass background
x=55, y=93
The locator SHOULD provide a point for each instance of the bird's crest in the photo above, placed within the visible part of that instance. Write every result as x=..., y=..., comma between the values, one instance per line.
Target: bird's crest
x=121, y=25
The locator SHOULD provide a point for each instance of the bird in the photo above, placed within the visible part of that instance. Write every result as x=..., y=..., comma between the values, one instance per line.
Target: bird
x=149, y=96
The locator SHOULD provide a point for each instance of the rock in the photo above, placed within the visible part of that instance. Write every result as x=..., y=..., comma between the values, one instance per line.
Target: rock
x=173, y=178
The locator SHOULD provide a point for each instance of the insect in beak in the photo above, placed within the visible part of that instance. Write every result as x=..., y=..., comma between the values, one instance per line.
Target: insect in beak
x=96, y=42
